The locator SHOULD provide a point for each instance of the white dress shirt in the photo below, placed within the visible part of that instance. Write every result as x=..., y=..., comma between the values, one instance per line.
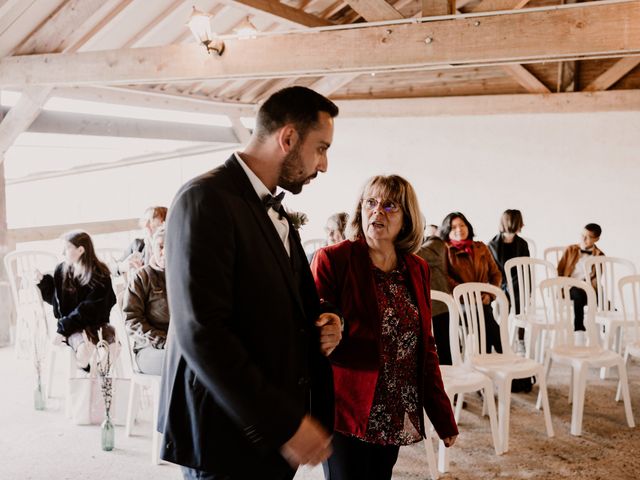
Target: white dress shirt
x=281, y=224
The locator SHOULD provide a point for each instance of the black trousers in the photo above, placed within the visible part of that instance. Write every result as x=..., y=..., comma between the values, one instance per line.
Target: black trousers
x=579, y=297
x=354, y=459
x=441, y=336
x=492, y=330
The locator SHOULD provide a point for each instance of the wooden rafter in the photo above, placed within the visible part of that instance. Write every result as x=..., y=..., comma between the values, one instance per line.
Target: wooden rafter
x=494, y=5
x=374, y=10
x=574, y=102
x=613, y=74
x=597, y=31
x=438, y=7
x=280, y=12
x=525, y=78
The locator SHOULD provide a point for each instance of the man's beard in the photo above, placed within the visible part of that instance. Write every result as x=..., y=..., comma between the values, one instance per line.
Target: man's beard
x=290, y=171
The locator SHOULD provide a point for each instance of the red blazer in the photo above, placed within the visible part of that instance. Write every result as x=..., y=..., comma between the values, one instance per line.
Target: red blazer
x=344, y=277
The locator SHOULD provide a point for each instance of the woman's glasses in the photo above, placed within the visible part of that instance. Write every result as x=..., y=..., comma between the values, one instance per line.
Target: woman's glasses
x=388, y=206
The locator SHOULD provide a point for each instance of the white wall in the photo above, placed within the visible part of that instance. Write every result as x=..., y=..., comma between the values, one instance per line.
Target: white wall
x=562, y=171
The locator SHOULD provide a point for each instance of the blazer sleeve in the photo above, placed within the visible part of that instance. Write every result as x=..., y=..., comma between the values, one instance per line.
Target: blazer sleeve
x=201, y=250
x=47, y=288
x=90, y=311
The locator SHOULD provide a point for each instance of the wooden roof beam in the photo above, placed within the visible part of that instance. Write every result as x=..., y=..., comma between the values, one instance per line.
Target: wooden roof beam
x=279, y=12
x=374, y=10
x=431, y=8
x=494, y=5
x=598, y=30
x=613, y=74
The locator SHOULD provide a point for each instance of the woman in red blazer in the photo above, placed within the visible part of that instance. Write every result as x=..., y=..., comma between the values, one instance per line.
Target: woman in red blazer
x=386, y=367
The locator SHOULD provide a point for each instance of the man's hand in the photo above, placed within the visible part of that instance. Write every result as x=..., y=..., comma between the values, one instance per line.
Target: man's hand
x=310, y=445
x=330, y=332
x=449, y=441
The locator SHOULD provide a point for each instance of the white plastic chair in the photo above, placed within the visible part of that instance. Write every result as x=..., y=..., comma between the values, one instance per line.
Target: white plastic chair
x=554, y=254
x=629, y=288
x=110, y=256
x=502, y=368
x=460, y=378
x=529, y=273
x=609, y=270
x=20, y=265
x=558, y=305
x=138, y=381
x=313, y=244
x=533, y=249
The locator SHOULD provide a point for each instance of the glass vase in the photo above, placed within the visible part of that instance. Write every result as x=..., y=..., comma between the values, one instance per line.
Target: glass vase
x=108, y=434
x=38, y=398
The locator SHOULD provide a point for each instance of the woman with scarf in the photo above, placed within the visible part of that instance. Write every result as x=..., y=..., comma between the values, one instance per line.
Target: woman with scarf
x=469, y=261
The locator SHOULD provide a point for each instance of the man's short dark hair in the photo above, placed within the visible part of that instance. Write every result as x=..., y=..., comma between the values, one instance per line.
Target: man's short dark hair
x=594, y=228
x=296, y=105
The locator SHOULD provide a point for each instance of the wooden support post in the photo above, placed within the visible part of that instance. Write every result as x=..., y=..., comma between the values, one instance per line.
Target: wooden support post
x=6, y=302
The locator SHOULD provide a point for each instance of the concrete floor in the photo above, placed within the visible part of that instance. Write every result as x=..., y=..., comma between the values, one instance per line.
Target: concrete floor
x=46, y=445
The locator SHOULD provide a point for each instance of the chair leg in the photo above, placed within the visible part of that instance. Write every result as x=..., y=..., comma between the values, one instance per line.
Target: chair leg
x=458, y=407
x=132, y=407
x=504, y=407
x=543, y=396
x=493, y=420
x=155, y=436
x=443, y=457
x=50, y=369
x=624, y=361
x=545, y=371
x=604, y=371
x=622, y=371
x=577, y=411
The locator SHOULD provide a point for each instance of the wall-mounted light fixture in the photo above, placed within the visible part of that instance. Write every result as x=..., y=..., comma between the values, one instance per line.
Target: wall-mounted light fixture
x=200, y=25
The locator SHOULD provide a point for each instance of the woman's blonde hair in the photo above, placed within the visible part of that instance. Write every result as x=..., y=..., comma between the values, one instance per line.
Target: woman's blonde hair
x=400, y=191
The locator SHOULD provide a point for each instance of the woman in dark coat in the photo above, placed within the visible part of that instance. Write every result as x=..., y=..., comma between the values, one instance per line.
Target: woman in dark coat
x=81, y=294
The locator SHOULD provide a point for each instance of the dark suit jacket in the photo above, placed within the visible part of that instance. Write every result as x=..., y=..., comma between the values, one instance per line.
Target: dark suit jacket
x=344, y=277
x=243, y=354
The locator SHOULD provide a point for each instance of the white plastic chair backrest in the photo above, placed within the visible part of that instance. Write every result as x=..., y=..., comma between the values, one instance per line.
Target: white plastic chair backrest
x=529, y=273
x=117, y=320
x=608, y=271
x=313, y=244
x=533, y=249
x=558, y=308
x=629, y=289
x=554, y=254
x=109, y=254
x=468, y=298
x=20, y=265
x=454, y=321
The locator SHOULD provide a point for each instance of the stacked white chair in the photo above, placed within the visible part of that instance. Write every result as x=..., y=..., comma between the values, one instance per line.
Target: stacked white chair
x=20, y=266
x=529, y=273
x=629, y=288
x=504, y=367
x=138, y=382
x=554, y=254
x=460, y=378
x=555, y=294
x=609, y=270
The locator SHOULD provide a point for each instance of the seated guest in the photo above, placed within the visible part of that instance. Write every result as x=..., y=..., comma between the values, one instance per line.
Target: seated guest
x=434, y=252
x=385, y=369
x=505, y=246
x=469, y=261
x=335, y=227
x=138, y=253
x=146, y=310
x=572, y=265
x=81, y=294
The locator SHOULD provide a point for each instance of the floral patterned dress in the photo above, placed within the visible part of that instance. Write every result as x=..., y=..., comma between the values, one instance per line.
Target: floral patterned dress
x=394, y=418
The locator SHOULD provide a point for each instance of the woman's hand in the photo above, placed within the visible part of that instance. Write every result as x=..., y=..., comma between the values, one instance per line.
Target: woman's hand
x=330, y=332
x=36, y=276
x=449, y=441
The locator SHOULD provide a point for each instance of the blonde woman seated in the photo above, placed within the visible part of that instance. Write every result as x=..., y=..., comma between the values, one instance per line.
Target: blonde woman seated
x=146, y=310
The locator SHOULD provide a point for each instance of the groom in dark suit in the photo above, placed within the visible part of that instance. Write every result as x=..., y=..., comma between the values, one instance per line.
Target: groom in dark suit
x=247, y=389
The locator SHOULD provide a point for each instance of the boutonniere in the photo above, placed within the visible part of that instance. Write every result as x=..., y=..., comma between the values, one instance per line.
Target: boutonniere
x=298, y=219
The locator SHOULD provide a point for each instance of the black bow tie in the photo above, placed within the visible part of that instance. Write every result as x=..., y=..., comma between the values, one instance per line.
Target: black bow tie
x=273, y=202
x=587, y=252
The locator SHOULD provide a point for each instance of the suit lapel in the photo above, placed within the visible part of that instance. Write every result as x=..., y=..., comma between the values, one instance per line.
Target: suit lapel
x=269, y=232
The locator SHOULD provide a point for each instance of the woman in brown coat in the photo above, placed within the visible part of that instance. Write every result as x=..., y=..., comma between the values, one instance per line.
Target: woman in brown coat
x=469, y=261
